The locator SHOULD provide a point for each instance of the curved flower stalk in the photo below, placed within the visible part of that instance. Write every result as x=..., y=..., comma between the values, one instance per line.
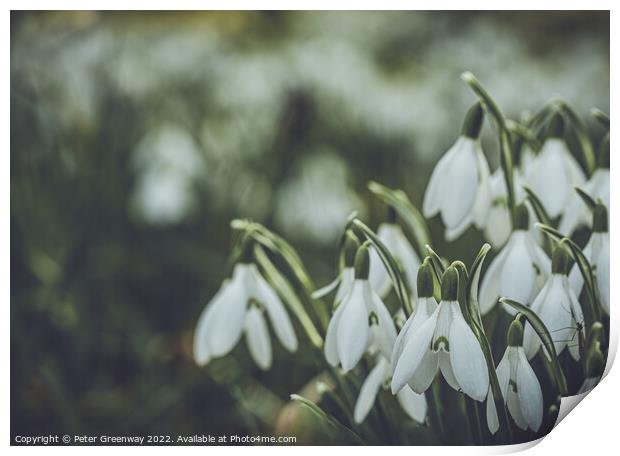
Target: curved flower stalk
x=412, y=403
x=520, y=386
x=559, y=310
x=446, y=343
x=360, y=323
x=459, y=185
x=597, y=187
x=396, y=242
x=555, y=172
x=344, y=282
x=240, y=307
x=519, y=271
x=597, y=252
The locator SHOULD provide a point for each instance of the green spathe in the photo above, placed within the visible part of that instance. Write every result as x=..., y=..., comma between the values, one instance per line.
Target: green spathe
x=450, y=285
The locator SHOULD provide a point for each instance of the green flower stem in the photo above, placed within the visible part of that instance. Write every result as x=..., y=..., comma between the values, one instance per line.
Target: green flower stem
x=506, y=155
x=602, y=117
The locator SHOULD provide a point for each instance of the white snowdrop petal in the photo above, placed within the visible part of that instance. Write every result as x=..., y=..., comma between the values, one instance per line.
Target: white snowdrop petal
x=278, y=316
x=353, y=330
x=529, y=393
x=462, y=181
x=467, y=359
x=327, y=289
x=483, y=196
x=331, y=341
x=413, y=404
x=369, y=390
x=201, y=351
x=415, y=349
x=385, y=333
x=426, y=372
x=257, y=338
x=492, y=419
x=447, y=372
x=346, y=284
x=518, y=275
x=491, y=282
x=436, y=190
x=226, y=320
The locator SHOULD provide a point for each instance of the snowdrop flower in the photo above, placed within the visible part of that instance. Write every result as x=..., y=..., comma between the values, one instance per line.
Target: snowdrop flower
x=558, y=308
x=413, y=404
x=519, y=385
x=577, y=213
x=360, y=323
x=595, y=367
x=519, y=271
x=344, y=282
x=555, y=173
x=240, y=307
x=597, y=252
x=458, y=188
x=446, y=343
x=396, y=242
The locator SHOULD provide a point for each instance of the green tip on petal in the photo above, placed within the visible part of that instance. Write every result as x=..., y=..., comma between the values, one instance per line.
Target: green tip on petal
x=450, y=284
x=603, y=153
x=362, y=263
x=351, y=244
x=555, y=127
x=522, y=217
x=425, y=279
x=515, y=334
x=473, y=121
x=600, y=221
x=561, y=261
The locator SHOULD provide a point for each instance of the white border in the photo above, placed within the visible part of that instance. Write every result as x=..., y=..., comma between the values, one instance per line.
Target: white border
x=592, y=428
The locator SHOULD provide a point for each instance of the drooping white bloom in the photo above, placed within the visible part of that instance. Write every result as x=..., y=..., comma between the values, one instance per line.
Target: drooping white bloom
x=519, y=386
x=413, y=404
x=459, y=185
x=597, y=252
x=577, y=213
x=361, y=322
x=239, y=307
x=446, y=343
x=519, y=271
x=396, y=242
x=559, y=309
x=553, y=175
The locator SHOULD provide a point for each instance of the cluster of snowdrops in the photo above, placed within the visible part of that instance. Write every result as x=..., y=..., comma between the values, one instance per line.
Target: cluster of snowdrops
x=554, y=290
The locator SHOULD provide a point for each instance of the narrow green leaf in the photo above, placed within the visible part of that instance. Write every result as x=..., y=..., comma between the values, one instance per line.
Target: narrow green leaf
x=407, y=211
x=587, y=199
x=334, y=426
x=391, y=265
x=472, y=285
x=285, y=290
x=601, y=116
x=545, y=337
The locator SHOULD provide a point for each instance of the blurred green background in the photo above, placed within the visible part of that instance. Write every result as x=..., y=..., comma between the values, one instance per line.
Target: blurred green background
x=137, y=137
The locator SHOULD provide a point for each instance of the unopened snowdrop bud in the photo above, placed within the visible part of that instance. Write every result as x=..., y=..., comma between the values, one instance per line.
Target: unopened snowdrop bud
x=597, y=251
x=459, y=186
x=558, y=308
x=519, y=270
x=520, y=387
x=555, y=173
x=595, y=368
x=446, y=343
x=361, y=321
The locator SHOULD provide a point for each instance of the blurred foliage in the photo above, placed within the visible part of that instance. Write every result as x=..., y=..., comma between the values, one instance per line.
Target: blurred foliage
x=137, y=137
